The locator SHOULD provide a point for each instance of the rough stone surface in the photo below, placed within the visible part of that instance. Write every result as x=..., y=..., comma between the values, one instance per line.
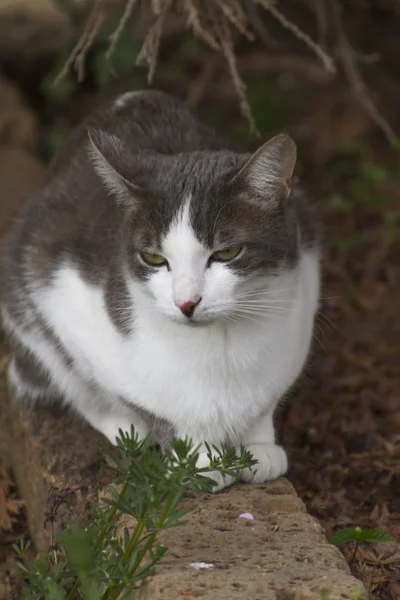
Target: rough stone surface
x=280, y=555
x=32, y=27
x=55, y=461
x=19, y=174
x=18, y=123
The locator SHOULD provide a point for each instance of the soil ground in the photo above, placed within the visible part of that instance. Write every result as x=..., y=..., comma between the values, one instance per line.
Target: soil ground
x=341, y=425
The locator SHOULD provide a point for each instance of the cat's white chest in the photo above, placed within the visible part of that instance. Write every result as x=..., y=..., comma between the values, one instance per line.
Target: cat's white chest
x=209, y=380
x=227, y=375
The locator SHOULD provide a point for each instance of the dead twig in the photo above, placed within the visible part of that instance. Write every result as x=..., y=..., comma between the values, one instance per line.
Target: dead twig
x=151, y=43
x=259, y=27
x=114, y=38
x=355, y=79
x=97, y=22
x=327, y=60
x=219, y=23
x=84, y=43
x=308, y=68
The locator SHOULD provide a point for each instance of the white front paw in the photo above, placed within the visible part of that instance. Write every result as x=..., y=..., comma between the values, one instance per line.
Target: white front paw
x=272, y=463
x=220, y=481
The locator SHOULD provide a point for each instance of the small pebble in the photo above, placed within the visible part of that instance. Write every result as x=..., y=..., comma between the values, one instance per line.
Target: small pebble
x=246, y=516
x=201, y=565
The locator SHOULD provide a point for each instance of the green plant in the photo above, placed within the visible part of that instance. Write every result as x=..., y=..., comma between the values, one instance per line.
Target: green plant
x=357, y=594
x=361, y=187
x=102, y=562
x=358, y=536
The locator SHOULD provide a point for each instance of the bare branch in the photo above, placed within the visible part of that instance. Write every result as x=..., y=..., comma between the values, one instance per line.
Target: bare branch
x=114, y=38
x=301, y=35
x=219, y=23
x=355, y=79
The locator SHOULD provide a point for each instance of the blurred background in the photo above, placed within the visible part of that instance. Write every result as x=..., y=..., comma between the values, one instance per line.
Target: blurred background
x=328, y=73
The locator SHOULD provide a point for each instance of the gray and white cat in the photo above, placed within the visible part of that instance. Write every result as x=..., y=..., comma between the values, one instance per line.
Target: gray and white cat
x=161, y=278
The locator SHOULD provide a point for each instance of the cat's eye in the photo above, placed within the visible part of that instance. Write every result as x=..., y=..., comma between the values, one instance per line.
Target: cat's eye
x=155, y=260
x=226, y=255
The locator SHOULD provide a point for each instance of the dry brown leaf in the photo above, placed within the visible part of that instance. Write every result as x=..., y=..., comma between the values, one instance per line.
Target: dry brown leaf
x=10, y=505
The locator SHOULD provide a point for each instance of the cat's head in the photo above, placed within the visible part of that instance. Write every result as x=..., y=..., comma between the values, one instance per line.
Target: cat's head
x=206, y=231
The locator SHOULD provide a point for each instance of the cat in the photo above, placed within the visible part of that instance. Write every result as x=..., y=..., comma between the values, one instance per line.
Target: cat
x=162, y=278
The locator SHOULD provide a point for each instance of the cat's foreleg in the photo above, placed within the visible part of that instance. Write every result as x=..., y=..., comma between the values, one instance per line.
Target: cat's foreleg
x=272, y=459
x=112, y=415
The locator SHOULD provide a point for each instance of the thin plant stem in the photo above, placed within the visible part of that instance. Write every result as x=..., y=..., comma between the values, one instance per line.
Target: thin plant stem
x=117, y=590
x=99, y=541
x=355, y=551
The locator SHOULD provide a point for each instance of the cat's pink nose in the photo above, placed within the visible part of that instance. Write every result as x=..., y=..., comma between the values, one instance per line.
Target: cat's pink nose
x=188, y=307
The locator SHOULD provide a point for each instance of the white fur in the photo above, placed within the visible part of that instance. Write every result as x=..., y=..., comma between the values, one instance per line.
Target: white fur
x=218, y=381
x=124, y=99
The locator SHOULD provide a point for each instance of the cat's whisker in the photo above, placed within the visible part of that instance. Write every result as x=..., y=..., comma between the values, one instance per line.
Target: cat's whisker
x=248, y=317
x=263, y=292
x=265, y=305
x=274, y=316
x=261, y=302
x=231, y=319
x=326, y=320
x=319, y=321
x=255, y=317
x=318, y=339
x=268, y=301
x=329, y=297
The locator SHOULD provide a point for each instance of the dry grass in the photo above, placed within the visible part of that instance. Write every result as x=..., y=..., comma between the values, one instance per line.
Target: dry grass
x=220, y=24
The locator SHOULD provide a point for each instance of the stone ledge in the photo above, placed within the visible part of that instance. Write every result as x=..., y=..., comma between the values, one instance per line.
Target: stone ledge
x=280, y=555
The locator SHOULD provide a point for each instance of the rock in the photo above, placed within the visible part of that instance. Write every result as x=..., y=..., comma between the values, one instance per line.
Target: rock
x=18, y=123
x=280, y=555
x=55, y=461
x=32, y=27
x=20, y=174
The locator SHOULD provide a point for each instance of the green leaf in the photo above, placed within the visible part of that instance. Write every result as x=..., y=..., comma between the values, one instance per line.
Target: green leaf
x=54, y=138
x=27, y=594
x=343, y=536
x=356, y=534
x=91, y=590
x=53, y=591
x=21, y=566
x=375, y=535
x=79, y=547
x=341, y=203
x=355, y=147
x=375, y=173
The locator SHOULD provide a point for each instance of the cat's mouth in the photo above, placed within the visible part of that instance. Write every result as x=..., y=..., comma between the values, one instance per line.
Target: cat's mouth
x=196, y=323
x=192, y=321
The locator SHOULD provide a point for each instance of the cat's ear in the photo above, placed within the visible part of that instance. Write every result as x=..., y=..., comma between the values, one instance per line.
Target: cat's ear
x=271, y=167
x=110, y=158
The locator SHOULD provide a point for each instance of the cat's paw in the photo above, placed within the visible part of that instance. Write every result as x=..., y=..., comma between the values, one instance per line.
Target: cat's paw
x=272, y=463
x=220, y=481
